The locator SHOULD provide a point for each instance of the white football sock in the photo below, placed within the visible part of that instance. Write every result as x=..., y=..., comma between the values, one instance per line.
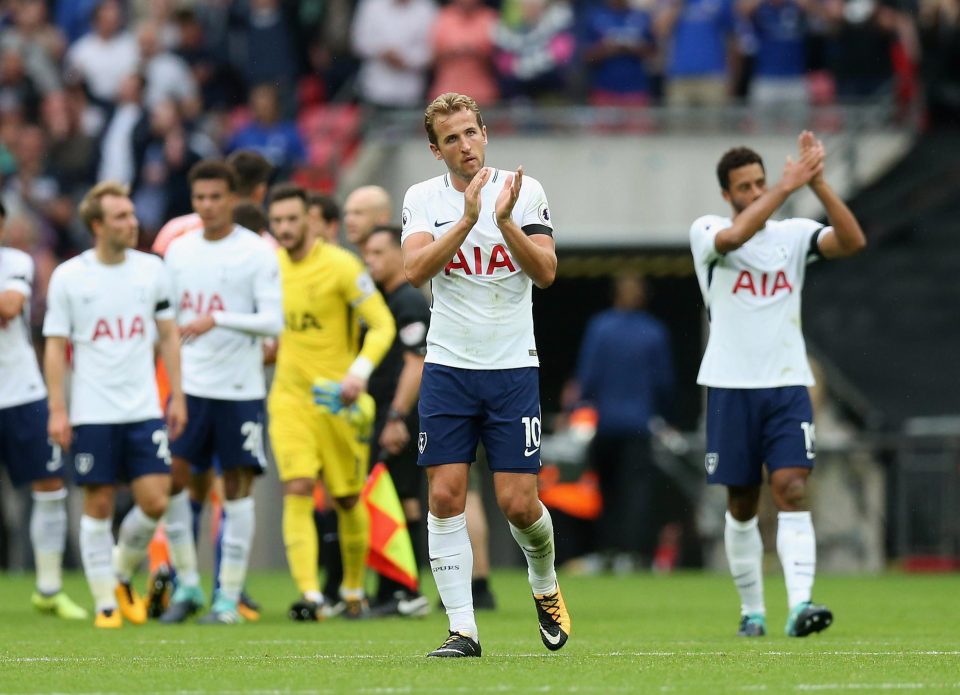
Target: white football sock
x=96, y=549
x=451, y=559
x=745, y=556
x=48, y=534
x=183, y=551
x=797, y=548
x=536, y=542
x=238, y=526
x=136, y=531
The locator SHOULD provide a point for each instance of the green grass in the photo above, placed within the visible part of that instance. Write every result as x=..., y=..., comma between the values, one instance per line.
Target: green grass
x=671, y=634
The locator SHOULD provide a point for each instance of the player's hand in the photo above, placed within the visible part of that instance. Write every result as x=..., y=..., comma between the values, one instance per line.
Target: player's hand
x=271, y=346
x=471, y=196
x=394, y=437
x=176, y=416
x=508, y=196
x=196, y=328
x=59, y=430
x=807, y=142
x=350, y=389
x=799, y=173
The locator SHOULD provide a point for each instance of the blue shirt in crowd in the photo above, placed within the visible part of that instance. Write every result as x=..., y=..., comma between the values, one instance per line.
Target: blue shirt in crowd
x=699, y=46
x=625, y=370
x=622, y=74
x=781, y=48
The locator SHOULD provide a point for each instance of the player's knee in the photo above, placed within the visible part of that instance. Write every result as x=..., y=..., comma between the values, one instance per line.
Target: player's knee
x=790, y=494
x=347, y=503
x=47, y=485
x=446, y=500
x=154, y=506
x=521, y=511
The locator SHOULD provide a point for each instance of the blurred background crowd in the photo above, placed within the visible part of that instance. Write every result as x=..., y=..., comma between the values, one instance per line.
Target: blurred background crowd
x=139, y=91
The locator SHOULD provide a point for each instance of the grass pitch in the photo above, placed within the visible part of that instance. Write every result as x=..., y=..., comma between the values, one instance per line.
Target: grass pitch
x=640, y=634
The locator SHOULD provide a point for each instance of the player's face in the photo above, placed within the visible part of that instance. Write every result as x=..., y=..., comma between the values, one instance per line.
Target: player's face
x=461, y=143
x=319, y=228
x=747, y=183
x=359, y=218
x=119, y=227
x=382, y=257
x=213, y=201
x=288, y=222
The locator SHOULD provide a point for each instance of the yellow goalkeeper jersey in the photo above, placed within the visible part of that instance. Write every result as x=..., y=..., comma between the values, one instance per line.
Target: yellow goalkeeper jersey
x=324, y=295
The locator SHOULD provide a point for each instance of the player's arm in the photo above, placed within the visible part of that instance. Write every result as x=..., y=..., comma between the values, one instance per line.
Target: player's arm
x=55, y=369
x=11, y=304
x=381, y=330
x=170, y=352
x=754, y=217
x=395, y=434
x=845, y=237
x=424, y=256
x=536, y=254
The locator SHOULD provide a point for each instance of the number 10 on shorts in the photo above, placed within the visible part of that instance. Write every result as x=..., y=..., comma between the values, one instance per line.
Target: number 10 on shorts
x=531, y=431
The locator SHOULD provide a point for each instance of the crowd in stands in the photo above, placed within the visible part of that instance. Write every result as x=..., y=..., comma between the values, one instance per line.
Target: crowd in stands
x=139, y=91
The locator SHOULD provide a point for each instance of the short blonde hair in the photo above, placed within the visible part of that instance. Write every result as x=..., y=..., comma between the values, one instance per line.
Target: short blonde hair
x=446, y=104
x=91, y=207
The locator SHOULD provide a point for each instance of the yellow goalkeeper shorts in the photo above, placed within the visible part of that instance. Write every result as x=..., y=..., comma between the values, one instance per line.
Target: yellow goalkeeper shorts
x=309, y=442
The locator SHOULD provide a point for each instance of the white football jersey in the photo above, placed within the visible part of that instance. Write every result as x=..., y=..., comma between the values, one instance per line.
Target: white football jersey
x=238, y=274
x=482, y=312
x=752, y=296
x=105, y=311
x=20, y=379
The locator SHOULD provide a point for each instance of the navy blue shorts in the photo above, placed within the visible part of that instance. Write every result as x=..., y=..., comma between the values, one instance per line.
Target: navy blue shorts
x=108, y=454
x=230, y=431
x=747, y=428
x=460, y=407
x=25, y=449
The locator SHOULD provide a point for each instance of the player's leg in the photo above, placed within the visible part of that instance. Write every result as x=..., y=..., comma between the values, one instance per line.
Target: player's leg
x=239, y=446
x=345, y=453
x=479, y=530
x=294, y=439
x=191, y=458
x=96, y=453
x=146, y=454
x=790, y=451
x=447, y=442
x=733, y=459
x=511, y=436
x=31, y=458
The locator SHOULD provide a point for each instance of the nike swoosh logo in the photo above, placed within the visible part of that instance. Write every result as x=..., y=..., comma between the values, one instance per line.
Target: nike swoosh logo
x=441, y=224
x=530, y=452
x=552, y=639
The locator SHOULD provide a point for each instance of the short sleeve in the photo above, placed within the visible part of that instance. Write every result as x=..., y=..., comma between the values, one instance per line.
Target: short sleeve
x=703, y=233
x=164, y=307
x=56, y=322
x=413, y=216
x=806, y=233
x=536, y=209
x=19, y=276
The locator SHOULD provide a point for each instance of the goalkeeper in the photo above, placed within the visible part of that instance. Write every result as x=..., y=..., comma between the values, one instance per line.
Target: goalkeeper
x=320, y=416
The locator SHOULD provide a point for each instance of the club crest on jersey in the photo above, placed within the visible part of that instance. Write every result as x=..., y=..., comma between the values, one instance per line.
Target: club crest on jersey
x=83, y=463
x=405, y=217
x=422, y=441
x=710, y=462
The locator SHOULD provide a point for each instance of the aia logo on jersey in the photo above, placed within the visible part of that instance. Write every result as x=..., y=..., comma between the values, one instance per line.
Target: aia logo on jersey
x=200, y=304
x=499, y=258
x=762, y=285
x=118, y=329
x=303, y=321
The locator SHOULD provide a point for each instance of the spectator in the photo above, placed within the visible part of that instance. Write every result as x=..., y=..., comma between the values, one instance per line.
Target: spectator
x=697, y=36
x=167, y=75
x=17, y=91
x=116, y=147
x=463, y=51
x=277, y=140
x=780, y=63
x=617, y=40
x=73, y=17
x=626, y=372
x=73, y=154
x=864, y=33
x=325, y=31
x=106, y=55
x=534, y=54
x=219, y=85
x=392, y=39
x=940, y=36
x=40, y=44
x=267, y=47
